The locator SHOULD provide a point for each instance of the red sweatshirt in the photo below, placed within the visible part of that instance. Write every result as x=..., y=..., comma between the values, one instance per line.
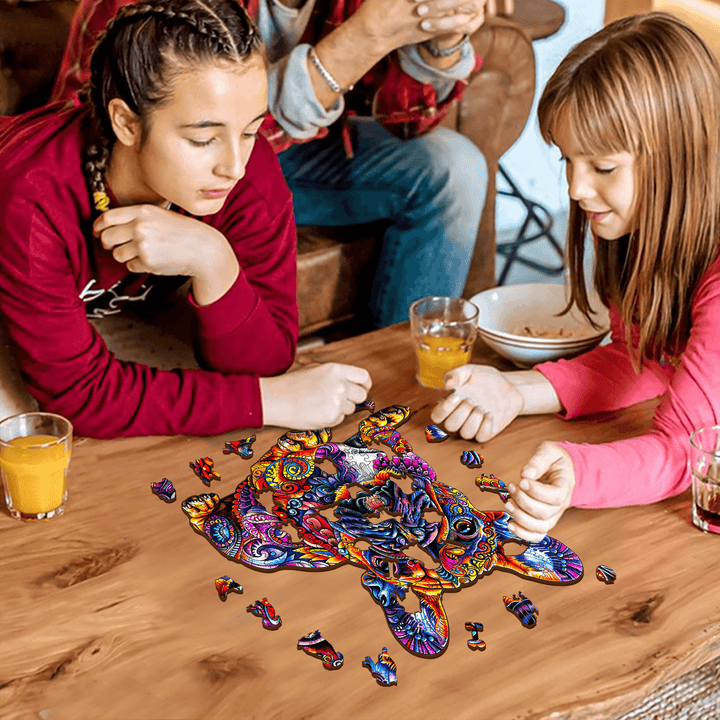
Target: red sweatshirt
x=53, y=273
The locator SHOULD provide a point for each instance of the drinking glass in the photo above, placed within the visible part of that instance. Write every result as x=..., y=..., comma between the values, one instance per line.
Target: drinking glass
x=34, y=457
x=443, y=331
x=705, y=469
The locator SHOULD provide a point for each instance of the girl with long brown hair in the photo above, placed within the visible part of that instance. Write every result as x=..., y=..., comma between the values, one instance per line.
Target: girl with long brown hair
x=635, y=112
x=157, y=178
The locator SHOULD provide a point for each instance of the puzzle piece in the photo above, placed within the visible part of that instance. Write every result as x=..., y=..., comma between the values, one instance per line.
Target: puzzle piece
x=472, y=459
x=315, y=644
x=384, y=670
x=164, y=490
x=263, y=609
x=226, y=584
x=203, y=468
x=605, y=574
x=523, y=609
x=433, y=434
x=240, y=447
x=475, y=643
x=490, y=482
x=367, y=405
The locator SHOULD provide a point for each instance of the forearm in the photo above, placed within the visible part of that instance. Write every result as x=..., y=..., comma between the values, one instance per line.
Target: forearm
x=216, y=273
x=538, y=394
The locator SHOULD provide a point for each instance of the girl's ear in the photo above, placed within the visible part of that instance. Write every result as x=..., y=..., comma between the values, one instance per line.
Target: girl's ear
x=125, y=123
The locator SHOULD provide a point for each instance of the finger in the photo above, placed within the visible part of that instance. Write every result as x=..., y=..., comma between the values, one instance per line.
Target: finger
x=457, y=376
x=470, y=427
x=117, y=216
x=125, y=252
x=458, y=416
x=530, y=536
x=550, y=493
x=116, y=235
x=447, y=24
x=531, y=506
x=358, y=375
x=445, y=407
x=356, y=394
x=529, y=522
x=541, y=461
x=487, y=430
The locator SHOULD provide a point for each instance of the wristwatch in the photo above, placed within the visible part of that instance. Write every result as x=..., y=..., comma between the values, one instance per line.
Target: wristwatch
x=437, y=52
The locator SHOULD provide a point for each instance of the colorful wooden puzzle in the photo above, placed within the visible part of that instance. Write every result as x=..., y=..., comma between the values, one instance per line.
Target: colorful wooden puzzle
x=263, y=609
x=164, y=490
x=226, y=584
x=605, y=574
x=240, y=447
x=203, y=468
x=490, y=482
x=316, y=645
x=523, y=609
x=434, y=434
x=367, y=405
x=464, y=544
x=384, y=670
x=472, y=459
x=475, y=643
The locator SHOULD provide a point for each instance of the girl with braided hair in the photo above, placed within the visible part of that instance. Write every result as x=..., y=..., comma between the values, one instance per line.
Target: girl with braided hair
x=156, y=178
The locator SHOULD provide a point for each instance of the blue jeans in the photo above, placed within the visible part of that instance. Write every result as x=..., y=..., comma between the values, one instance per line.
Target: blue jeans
x=431, y=189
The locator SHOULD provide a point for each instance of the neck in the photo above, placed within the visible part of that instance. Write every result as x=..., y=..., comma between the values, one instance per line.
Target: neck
x=124, y=175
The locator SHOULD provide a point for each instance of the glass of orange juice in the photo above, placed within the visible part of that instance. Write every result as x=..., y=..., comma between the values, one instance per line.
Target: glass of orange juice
x=443, y=330
x=34, y=457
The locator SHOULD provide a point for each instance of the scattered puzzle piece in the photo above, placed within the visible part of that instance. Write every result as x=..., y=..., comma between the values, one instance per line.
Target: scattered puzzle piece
x=240, y=447
x=605, y=574
x=203, y=468
x=315, y=644
x=434, y=434
x=226, y=584
x=523, y=609
x=263, y=609
x=490, y=482
x=367, y=405
x=475, y=643
x=384, y=670
x=164, y=490
x=472, y=459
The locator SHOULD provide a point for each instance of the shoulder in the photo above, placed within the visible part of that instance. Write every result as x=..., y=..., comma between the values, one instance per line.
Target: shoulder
x=708, y=289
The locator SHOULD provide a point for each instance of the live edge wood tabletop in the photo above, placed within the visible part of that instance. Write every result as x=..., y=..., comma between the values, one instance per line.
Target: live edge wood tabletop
x=111, y=610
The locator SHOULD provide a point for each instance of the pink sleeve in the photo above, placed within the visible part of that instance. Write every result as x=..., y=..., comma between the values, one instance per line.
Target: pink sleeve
x=653, y=466
x=603, y=379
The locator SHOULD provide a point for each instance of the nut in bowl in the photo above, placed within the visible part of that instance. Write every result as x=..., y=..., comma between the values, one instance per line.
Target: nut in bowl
x=521, y=323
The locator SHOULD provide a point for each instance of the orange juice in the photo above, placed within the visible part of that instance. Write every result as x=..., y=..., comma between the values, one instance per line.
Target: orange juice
x=437, y=355
x=35, y=477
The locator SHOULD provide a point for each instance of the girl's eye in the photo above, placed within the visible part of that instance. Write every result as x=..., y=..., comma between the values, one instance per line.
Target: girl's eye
x=604, y=171
x=251, y=135
x=200, y=143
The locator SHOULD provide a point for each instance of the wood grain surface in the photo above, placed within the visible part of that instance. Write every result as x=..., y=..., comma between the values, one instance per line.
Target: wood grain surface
x=110, y=611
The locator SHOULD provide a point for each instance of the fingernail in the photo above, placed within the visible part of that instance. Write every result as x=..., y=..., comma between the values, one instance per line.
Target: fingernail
x=509, y=506
x=423, y=10
x=425, y=25
x=511, y=487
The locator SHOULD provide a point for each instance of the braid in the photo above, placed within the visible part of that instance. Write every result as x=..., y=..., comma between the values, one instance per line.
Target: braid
x=132, y=61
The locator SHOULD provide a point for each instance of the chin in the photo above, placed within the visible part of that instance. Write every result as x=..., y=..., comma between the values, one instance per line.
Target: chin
x=203, y=206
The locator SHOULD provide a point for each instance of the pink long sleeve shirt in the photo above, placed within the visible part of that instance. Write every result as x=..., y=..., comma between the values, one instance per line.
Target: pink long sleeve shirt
x=54, y=275
x=653, y=466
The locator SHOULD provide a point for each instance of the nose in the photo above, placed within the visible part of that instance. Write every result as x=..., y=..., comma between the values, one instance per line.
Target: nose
x=233, y=160
x=580, y=183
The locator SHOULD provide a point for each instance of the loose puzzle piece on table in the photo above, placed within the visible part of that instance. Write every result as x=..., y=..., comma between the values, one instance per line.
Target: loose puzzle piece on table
x=490, y=482
x=305, y=473
x=475, y=643
x=316, y=645
x=523, y=609
x=434, y=434
x=164, y=489
x=263, y=609
x=226, y=584
x=240, y=447
x=203, y=468
x=384, y=670
x=367, y=405
x=472, y=459
x=605, y=574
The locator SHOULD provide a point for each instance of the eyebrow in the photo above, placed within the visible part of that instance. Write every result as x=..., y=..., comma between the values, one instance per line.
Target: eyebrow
x=215, y=123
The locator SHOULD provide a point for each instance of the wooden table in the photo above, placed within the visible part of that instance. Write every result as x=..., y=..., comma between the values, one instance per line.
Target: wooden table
x=111, y=610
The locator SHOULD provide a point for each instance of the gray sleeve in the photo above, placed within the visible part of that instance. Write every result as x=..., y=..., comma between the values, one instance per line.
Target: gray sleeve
x=412, y=62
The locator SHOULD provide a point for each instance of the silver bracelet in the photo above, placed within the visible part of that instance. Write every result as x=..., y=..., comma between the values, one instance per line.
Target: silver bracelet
x=326, y=76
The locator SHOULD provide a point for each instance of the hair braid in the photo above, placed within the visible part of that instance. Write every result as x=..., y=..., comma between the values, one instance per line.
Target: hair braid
x=133, y=59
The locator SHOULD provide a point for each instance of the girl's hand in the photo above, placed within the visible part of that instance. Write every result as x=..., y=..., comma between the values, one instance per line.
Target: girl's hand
x=449, y=20
x=149, y=239
x=543, y=494
x=483, y=403
x=314, y=397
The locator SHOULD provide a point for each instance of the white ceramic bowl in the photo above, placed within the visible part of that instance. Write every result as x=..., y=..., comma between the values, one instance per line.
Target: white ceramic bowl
x=506, y=309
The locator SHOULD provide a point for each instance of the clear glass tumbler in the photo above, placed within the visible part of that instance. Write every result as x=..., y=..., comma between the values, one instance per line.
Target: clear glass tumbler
x=705, y=470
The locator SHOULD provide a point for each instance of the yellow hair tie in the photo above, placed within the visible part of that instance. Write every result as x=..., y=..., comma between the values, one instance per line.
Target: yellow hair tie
x=101, y=200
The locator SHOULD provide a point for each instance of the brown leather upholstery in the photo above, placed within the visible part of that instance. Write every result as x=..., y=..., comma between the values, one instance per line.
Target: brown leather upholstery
x=335, y=265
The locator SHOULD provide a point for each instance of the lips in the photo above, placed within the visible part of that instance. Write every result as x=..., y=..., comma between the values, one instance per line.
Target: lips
x=217, y=193
x=593, y=215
